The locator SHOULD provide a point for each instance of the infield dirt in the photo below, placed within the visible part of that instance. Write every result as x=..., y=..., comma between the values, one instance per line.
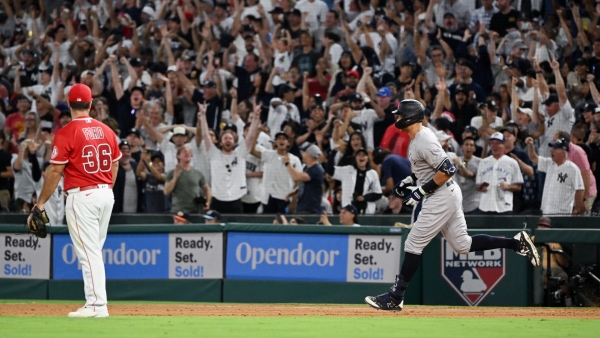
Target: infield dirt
x=274, y=310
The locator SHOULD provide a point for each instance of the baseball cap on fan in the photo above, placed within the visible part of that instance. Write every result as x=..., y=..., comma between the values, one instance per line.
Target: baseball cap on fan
x=178, y=131
x=212, y=215
x=311, y=149
x=561, y=143
x=497, y=136
x=80, y=93
x=590, y=107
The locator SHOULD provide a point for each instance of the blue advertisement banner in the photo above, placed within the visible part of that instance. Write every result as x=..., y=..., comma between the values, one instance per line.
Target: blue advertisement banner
x=300, y=257
x=126, y=256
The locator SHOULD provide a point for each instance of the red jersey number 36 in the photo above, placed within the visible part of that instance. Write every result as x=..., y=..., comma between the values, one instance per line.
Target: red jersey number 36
x=98, y=158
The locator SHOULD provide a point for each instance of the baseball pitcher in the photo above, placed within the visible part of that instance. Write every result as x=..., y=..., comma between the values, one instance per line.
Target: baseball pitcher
x=86, y=152
x=441, y=210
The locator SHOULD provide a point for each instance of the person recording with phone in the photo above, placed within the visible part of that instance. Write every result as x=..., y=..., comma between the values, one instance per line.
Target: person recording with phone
x=498, y=176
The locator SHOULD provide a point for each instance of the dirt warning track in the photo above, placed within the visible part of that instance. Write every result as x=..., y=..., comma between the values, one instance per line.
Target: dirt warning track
x=273, y=310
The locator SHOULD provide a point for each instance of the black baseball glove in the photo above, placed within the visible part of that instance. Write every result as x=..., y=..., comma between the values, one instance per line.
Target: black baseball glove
x=37, y=222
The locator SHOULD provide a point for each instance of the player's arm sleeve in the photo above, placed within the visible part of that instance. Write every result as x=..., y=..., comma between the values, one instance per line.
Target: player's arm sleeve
x=61, y=149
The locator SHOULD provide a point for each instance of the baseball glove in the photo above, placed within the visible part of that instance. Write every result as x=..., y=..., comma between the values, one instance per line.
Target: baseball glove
x=37, y=222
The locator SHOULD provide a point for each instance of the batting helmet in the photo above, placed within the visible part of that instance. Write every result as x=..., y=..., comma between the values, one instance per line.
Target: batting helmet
x=412, y=111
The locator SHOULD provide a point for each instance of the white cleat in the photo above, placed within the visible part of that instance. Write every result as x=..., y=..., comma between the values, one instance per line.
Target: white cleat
x=88, y=312
x=527, y=249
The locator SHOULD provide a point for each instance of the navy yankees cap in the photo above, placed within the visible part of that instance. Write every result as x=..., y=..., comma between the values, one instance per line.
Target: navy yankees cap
x=561, y=143
x=551, y=99
x=590, y=107
x=350, y=208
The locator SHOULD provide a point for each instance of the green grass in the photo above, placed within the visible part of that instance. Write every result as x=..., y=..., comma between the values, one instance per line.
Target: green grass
x=260, y=327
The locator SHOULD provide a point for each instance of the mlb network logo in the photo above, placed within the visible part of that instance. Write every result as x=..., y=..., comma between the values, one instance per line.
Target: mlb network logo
x=474, y=275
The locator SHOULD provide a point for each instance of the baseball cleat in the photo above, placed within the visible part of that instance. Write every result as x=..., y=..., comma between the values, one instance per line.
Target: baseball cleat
x=384, y=302
x=86, y=312
x=526, y=248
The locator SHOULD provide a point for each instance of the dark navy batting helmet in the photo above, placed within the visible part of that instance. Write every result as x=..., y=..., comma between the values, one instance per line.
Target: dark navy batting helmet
x=412, y=111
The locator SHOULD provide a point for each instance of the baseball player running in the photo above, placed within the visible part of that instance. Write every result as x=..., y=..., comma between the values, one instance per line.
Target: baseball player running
x=442, y=207
x=87, y=153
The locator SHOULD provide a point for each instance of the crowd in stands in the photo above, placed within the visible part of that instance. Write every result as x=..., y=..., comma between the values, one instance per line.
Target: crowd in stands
x=278, y=106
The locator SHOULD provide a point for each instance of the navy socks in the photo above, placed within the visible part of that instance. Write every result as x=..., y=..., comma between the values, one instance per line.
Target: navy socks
x=486, y=242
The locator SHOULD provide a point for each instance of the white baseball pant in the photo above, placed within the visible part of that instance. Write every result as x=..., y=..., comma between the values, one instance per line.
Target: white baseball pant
x=441, y=211
x=88, y=213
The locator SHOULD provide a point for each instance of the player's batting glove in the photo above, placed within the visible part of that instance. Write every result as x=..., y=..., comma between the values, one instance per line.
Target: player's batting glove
x=415, y=196
x=400, y=189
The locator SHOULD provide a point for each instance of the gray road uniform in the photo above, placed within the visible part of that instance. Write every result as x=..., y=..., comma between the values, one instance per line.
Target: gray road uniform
x=441, y=210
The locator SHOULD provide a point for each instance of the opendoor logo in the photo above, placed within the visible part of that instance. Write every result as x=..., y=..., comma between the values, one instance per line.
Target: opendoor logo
x=474, y=275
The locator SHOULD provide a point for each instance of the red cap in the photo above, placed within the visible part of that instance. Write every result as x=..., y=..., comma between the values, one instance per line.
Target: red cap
x=353, y=73
x=80, y=93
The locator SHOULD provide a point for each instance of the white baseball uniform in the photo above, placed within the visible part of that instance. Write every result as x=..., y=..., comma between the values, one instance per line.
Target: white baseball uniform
x=495, y=171
x=562, y=182
x=88, y=149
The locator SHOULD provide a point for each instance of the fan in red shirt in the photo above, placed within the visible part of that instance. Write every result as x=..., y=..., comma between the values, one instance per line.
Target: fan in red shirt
x=86, y=152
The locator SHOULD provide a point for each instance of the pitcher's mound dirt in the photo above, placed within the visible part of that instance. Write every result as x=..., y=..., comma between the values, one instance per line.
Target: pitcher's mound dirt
x=271, y=310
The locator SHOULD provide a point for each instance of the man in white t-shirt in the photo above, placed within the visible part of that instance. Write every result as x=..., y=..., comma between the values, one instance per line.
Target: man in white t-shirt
x=559, y=112
x=498, y=176
x=279, y=185
x=227, y=165
x=365, y=117
x=563, y=186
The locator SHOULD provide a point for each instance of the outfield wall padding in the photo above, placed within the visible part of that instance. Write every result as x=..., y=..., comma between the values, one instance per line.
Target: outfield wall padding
x=190, y=290
x=24, y=288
